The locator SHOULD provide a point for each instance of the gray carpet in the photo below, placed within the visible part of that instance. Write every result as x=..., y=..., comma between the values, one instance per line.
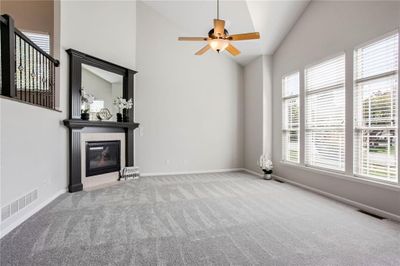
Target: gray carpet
x=208, y=219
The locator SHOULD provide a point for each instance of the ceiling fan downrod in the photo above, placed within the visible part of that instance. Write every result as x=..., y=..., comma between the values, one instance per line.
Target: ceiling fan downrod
x=217, y=9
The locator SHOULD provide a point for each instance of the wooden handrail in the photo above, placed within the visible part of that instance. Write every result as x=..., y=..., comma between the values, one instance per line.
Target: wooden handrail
x=34, y=45
x=3, y=20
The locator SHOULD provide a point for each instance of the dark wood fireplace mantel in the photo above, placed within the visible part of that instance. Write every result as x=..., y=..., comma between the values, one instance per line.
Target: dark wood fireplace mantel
x=79, y=124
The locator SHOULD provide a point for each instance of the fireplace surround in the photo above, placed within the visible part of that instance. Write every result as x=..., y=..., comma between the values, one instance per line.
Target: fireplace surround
x=77, y=127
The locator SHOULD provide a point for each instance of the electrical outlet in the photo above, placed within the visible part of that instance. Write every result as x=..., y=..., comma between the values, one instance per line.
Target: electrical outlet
x=167, y=161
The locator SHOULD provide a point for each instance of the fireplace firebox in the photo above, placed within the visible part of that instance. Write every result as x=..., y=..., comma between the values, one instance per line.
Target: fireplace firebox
x=102, y=157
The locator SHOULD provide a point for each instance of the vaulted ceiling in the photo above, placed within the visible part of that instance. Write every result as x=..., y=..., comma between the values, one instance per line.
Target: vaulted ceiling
x=273, y=19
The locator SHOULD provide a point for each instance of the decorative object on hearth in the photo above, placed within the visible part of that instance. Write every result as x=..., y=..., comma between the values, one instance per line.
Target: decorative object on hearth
x=86, y=100
x=266, y=165
x=123, y=105
x=129, y=172
x=104, y=114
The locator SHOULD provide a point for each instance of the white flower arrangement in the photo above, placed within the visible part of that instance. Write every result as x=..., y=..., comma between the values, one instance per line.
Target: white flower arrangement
x=86, y=100
x=265, y=164
x=122, y=103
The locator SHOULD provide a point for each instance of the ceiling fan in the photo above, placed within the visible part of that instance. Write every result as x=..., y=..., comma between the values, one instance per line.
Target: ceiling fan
x=219, y=38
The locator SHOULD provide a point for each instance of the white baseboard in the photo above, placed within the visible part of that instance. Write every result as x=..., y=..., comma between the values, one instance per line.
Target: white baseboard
x=193, y=172
x=29, y=213
x=252, y=172
x=353, y=203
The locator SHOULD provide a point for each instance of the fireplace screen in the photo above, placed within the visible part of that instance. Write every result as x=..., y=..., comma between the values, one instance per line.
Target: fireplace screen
x=102, y=157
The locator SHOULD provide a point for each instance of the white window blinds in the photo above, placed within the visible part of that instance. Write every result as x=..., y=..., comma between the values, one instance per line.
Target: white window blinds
x=290, y=125
x=325, y=114
x=376, y=109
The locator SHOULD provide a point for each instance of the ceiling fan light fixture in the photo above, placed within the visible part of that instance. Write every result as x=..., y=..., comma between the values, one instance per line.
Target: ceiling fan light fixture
x=218, y=45
x=219, y=39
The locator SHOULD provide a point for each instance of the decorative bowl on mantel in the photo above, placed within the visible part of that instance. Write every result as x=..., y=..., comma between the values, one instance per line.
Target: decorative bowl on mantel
x=104, y=114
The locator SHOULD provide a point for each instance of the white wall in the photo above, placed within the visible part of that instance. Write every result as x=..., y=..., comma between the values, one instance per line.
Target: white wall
x=257, y=111
x=34, y=143
x=190, y=107
x=267, y=105
x=325, y=29
x=253, y=113
x=32, y=150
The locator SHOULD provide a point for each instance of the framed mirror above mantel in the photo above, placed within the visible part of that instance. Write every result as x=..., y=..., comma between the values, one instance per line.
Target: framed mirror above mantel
x=105, y=82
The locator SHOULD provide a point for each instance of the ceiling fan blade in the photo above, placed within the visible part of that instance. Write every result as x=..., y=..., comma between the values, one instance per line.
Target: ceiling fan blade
x=232, y=50
x=244, y=36
x=203, y=50
x=219, y=27
x=195, y=39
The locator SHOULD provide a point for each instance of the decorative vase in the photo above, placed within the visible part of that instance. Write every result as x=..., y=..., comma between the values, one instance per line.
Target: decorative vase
x=119, y=117
x=267, y=174
x=125, y=116
x=85, y=116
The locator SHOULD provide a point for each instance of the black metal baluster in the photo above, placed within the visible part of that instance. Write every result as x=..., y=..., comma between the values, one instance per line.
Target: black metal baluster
x=50, y=83
x=37, y=77
x=44, y=80
x=53, y=86
x=20, y=68
x=35, y=65
x=16, y=60
x=32, y=81
x=29, y=74
x=32, y=65
x=15, y=66
x=24, y=71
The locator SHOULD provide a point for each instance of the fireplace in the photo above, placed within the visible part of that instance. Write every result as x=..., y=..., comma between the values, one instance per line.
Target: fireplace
x=102, y=157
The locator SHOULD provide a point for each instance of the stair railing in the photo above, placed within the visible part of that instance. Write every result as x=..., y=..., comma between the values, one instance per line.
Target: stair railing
x=27, y=72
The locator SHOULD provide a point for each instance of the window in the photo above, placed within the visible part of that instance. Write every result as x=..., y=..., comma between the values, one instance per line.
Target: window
x=291, y=126
x=376, y=109
x=325, y=114
x=40, y=39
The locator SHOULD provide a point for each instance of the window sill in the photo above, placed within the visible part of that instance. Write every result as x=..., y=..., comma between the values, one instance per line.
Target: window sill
x=352, y=178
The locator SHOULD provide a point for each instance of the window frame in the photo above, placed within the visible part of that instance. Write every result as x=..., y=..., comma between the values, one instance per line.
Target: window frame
x=349, y=171
x=285, y=130
x=377, y=77
x=310, y=65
